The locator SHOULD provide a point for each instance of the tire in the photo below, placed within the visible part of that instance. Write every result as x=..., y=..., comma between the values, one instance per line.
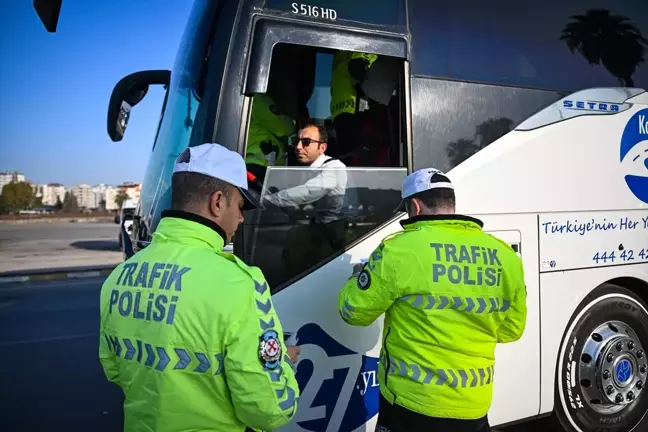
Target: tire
x=587, y=383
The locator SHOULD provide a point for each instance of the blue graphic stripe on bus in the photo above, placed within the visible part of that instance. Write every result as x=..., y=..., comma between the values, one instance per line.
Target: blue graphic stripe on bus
x=464, y=304
x=450, y=377
x=634, y=147
x=152, y=353
x=347, y=383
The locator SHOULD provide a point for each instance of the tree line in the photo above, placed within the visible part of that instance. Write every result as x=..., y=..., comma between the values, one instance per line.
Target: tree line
x=18, y=196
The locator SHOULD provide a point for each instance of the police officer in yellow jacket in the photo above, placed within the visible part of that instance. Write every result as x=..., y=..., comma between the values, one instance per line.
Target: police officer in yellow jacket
x=268, y=135
x=450, y=292
x=188, y=331
x=348, y=72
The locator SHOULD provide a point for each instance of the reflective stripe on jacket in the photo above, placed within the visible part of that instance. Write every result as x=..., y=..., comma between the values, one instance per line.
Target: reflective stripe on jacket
x=450, y=293
x=191, y=336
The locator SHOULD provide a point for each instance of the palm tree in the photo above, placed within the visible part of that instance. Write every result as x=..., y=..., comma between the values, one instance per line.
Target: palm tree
x=604, y=38
x=492, y=130
x=485, y=134
x=460, y=150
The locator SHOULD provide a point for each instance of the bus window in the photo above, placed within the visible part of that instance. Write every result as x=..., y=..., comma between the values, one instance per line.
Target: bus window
x=487, y=67
x=313, y=212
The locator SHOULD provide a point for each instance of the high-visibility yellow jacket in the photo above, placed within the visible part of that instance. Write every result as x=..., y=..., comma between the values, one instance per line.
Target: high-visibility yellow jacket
x=343, y=90
x=191, y=336
x=268, y=133
x=450, y=293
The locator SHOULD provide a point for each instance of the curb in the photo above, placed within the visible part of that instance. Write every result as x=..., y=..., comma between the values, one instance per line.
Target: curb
x=41, y=275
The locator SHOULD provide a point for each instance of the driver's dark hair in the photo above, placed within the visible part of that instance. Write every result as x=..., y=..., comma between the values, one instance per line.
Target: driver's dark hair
x=190, y=191
x=321, y=130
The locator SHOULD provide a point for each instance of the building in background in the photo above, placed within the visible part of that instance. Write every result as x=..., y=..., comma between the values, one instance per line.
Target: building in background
x=131, y=189
x=110, y=196
x=7, y=177
x=100, y=196
x=50, y=193
x=85, y=196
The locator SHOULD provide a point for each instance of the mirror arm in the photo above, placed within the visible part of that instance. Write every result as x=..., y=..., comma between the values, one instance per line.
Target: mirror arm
x=128, y=92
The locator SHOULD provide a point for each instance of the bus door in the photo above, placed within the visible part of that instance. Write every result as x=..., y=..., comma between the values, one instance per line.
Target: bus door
x=328, y=219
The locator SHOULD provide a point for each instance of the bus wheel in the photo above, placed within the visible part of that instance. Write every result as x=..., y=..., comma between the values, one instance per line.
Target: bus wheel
x=602, y=365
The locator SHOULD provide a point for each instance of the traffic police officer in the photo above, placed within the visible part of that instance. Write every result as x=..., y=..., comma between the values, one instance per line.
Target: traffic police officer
x=450, y=292
x=268, y=135
x=348, y=72
x=188, y=331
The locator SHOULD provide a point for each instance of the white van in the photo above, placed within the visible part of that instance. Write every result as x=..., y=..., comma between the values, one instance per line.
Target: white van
x=126, y=218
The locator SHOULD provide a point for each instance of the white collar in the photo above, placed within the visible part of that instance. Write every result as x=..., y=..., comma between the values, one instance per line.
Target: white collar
x=320, y=161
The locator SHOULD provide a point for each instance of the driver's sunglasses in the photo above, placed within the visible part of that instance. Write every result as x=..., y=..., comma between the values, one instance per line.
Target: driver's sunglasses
x=305, y=141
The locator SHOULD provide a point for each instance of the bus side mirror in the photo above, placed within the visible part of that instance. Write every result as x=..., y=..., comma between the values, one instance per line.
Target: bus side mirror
x=48, y=11
x=128, y=92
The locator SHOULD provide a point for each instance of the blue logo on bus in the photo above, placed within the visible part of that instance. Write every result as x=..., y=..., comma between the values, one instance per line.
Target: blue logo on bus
x=623, y=371
x=348, y=380
x=634, y=154
x=591, y=106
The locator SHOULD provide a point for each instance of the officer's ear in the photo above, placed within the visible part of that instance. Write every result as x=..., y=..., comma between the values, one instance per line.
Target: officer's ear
x=217, y=203
x=414, y=207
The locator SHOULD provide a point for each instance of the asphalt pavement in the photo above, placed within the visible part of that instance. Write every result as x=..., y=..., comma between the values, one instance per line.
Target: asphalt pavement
x=50, y=377
x=42, y=245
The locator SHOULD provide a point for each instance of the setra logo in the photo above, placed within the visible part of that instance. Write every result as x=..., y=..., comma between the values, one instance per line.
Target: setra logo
x=634, y=154
x=338, y=386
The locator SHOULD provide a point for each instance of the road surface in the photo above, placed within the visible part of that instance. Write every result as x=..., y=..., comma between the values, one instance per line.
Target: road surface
x=57, y=244
x=50, y=378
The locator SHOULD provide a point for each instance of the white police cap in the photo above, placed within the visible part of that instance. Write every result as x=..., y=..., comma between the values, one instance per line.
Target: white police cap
x=420, y=181
x=216, y=161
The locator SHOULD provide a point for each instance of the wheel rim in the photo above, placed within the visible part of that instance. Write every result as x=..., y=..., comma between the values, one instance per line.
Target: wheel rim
x=612, y=368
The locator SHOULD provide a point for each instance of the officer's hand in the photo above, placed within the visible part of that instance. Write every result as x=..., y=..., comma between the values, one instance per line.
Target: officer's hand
x=293, y=352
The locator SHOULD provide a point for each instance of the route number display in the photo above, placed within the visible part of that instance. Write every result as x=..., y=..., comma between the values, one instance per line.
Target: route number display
x=314, y=11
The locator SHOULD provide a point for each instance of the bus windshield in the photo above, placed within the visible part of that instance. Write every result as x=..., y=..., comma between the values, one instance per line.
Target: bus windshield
x=179, y=120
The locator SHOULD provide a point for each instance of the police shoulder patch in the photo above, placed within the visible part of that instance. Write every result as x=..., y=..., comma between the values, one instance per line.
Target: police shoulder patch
x=364, y=280
x=270, y=349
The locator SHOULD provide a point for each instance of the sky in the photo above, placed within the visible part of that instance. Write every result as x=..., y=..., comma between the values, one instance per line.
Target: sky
x=55, y=87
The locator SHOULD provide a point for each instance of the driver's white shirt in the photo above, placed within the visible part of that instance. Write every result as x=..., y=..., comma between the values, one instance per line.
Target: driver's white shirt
x=326, y=190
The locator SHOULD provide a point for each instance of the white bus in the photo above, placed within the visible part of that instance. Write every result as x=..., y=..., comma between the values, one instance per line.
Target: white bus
x=537, y=112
